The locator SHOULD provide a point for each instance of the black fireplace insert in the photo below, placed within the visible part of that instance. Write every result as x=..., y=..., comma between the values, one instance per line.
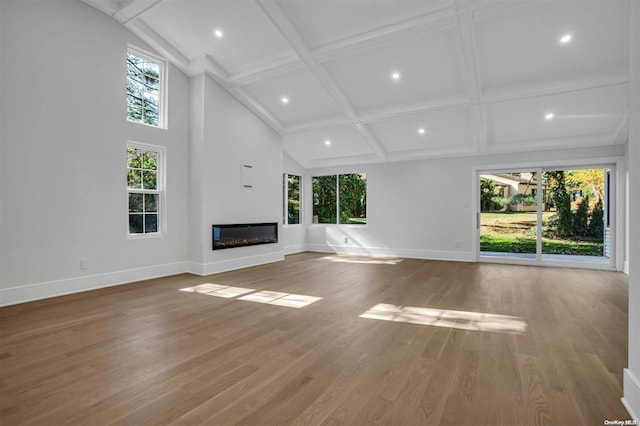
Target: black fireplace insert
x=244, y=234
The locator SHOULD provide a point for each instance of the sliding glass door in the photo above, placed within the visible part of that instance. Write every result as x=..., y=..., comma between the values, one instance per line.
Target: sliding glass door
x=546, y=215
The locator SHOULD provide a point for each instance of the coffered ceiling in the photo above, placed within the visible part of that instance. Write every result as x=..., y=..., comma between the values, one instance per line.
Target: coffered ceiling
x=355, y=81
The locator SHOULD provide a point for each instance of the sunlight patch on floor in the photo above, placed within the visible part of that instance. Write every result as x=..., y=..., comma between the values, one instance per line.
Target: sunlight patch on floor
x=342, y=258
x=477, y=321
x=289, y=300
x=218, y=290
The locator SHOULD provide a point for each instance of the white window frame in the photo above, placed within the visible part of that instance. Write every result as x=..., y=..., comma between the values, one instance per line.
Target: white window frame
x=160, y=191
x=345, y=225
x=285, y=219
x=162, y=92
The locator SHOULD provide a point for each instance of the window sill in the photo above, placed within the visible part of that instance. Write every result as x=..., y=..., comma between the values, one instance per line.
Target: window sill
x=148, y=236
x=159, y=127
x=339, y=225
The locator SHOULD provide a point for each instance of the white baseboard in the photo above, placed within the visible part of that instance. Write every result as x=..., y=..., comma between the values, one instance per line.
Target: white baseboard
x=459, y=256
x=45, y=290
x=625, y=267
x=232, y=264
x=295, y=248
x=631, y=398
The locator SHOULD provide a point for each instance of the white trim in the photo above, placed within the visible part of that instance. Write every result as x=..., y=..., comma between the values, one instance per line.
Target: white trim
x=625, y=267
x=631, y=398
x=458, y=256
x=295, y=248
x=45, y=290
x=602, y=266
x=620, y=215
x=233, y=264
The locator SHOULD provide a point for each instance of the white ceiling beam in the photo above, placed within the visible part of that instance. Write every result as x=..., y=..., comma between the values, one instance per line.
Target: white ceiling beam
x=254, y=106
x=484, y=10
x=283, y=24
x=467, y=35
x=342, y=161
x=270, y=69
x=212, y=66
x=333, y=90
x=560, y=89
x=293, y=151
x=449, y=104
x=317, y=125
x=438, y=20
x=621, y=133
x=134, y=9
x=371, y=140
x=281, y=21
x=398, y=156
x=581, y=141
x=250, y=103
x=108, y=7
x=159, y=43
x=421, y=154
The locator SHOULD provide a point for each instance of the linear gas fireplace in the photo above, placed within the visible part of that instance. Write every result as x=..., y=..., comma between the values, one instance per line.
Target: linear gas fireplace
x=244, y=234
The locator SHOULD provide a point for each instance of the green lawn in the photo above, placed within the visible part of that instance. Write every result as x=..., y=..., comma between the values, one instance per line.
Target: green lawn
x=515, y=232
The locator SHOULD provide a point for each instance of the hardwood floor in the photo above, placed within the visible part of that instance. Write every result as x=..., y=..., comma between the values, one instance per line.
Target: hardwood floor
x=148, y=353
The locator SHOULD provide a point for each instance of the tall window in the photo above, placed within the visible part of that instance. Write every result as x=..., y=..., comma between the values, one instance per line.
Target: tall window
x=292, y=196
x=144, y=187
x=145, y=86
x=340, y=199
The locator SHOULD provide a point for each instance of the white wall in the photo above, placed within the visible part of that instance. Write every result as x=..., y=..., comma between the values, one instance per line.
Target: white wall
x=632, y=373
x=422, y=209
x=64, y=138
x=225, y=135
x=295, y=236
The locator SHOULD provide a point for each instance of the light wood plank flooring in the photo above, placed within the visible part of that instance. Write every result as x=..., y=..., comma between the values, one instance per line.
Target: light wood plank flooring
x=148, y=353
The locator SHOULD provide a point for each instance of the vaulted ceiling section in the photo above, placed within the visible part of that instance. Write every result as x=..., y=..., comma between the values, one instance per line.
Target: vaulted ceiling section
x=405, y=79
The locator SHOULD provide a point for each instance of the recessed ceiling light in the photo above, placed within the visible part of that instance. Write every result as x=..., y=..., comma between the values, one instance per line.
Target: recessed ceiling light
x=395, y=75
x=218, y=33
x=284, y=100
x=549, y=116
x=565, y=38
x=421, y=131
x=327, y=142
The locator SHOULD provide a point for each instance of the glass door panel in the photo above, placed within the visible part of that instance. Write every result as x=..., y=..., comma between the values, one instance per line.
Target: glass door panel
x=508, y=214
x=574, y=225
